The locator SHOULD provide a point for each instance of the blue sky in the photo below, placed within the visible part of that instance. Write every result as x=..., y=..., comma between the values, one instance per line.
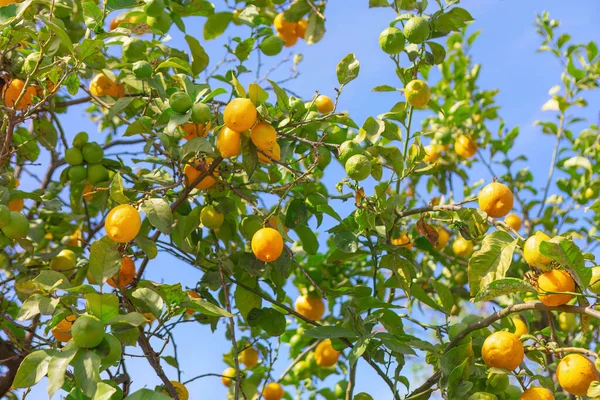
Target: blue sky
x=506, y=50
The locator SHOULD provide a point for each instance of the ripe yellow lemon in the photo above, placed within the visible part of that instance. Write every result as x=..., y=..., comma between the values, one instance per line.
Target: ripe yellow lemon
x=555, y=280
x=240, y=115
x=325, y=354
x=324, y=104
x=289, y=39
x=181, y=390
x=274, y=153
x=273, y=391
x=536, y=393
x=123, y=223
x=249, y=357
x=310, y=307
x=102, y=85
x=462, y=247
x=417, y=93
x=432, y=152
x=195, y=130
x=531, y=251
x=514, y=221
x=301, y=28
x=6, y=2
x=576, y=373
x=125, y=276
x=443, y=237
x=13, y=91
x=229, y=143
x=63, y=261
x=202, y=166
x=211, y=218
x=502, y=350
x=283, y=26
x=402, y=241
x=263, y=136
x=62, y=330
x=520, y=327
x=496, y=200
x=228, y=376
x=465, y=146
x=267, y=244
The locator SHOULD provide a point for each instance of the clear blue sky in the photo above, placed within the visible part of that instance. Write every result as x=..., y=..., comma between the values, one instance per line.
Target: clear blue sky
x=506, y=50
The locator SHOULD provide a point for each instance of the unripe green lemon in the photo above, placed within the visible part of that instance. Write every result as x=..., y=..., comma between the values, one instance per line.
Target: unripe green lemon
x=461, y=277
x=142, y=69
x=271, y=45
x=566, y=322
x=201, y=113
x=77, y=173
x=63, y=261
x=134, y=49
x=363, y=396
x=180, y=102
x=323, y=156
x=97, y=173
x=73, y=156
x=154, y=8
x=417, y=93
x=417, y=30
x=211, y=218
x=250, y=225
x=595, y=281
x=80, y=139
x=358, y=167
x=4, y=215
x=302, y=370
x=348, y=149
x=87, y=331
x=391, y=40
x=92, y=153
x=161, y=23
x=17, y=227
x=483, y=396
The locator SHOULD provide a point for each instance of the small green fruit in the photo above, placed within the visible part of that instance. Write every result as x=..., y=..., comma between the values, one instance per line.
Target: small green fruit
x=134, y=49
x=391, y=40
x=271, y=45
x=142, y=69
x=358, y=167
x=80, y=139
x=363, y=396
x=64, y=261
x=4, y=215
x=97, y=173
x=17, y=227
x=77, y=173
x=348, y=149
x=160, y=24
x=201, y=113
x=211, y=218
x=180, y=102
x=595, y=281
x=92, y=153
x=73, y=156
x=154, y=8
x=417, y=30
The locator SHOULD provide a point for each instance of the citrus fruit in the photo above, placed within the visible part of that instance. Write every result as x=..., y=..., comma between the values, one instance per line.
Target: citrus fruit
x=63, y=261
x=363, y=396
x=289, y=39
x=134, y=49
x=465, y=146
x=125, y=275
x=211, y=218
x=514, y=221
x=555, y=280
x=123, y=223
x=310, y=307
x=348, y=149
x=229, y=143
x=154, y=8
x=267, y=244
x=195, y=130
x=228, y=376
x=595, y=281
x=402, y=241
x=283, y=26
x=92, y=153
x=301, y=28
x=62, y=330
x=160, y=23
x=181, y=390
x=482, y=396
x=302, y=368
x=358, y=167
x=6, y=2
x=496, y=200
x=97, y=173
x=87, y=331
x=4, y=215
x=432, y=152
x=16, y=205
x=142, y=69
x=273, y=391
x=566, y=322
x=324, y=104
x=461, y=277
x=102, y=85
x=80, y=140
x=180, y=102
x=202, y=166
x=249, y=357
x=536, y=393
x=77, y=173
x=250, y=225
x=531, y=251
x=75, y=238
x=417, y=30
x=443, y=238
x=73, y=156
x=274, y=153
x=325, y=354
x=201, y=113
x=462, y=247
x=240, y=115
x=271, y=45
x=12, y=92
x=575, y=374
x=193, y=294
x=417, y=93
x=391, y=40
x=263, y=136
x=17, y=227
x=502, y=350
x=520, y=327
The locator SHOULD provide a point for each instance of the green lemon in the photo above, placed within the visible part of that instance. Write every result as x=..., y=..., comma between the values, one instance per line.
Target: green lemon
x=77, y=173
x=483, y=396
x=154, y=8
x=417, y=93
x=73, y=156
x=296, y=105
x=142, y=69
x=335, y=135
x=4, y=215
x=97, y=173
x=17, y=227
x=134, y=49
x=358, y=167
x=80, y=139
x=302, y=370
x=63, y=261
x=180, y=102
x=391, y=40
x=461, y=277
x=348, y=149
x=92, y=153
x=250, y=225
x=87, y=331
x=417, y=30
x=323, y=156
x=271, y=45
x=595, y=281
x=201, y=113
x=211, y=218
x=161, y=23
x=566, y=322
x=363, y=396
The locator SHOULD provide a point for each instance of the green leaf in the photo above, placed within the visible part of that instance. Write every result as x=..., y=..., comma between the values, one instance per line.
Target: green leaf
x=345, y=241
x=116, y=190
x=33, y=368
x=358, y=350
x=503, y=287
x=119, y=106
x=58, y=367
x=419, y=294
x=444, y=294
x=45, y=132
x=378, y=3
x=50, y=280
x=85, y=49
x=491, y=262
x=64, y=37
x=243, y=49
x=331, y=332
x=475, y=223
x=310, y=244
x=282, y=97
x=104, y=391
x=105, y=259
x=296, y=213
x=246, y=301
x=140, y=125
x=119, y=4
x=249, y=155
x=347, y=69
x=216, y=24
x=36, y=304
x=104, y=306
x=237, y=86
x=148, y=246
x=176, y=64
x=570, y=257
x=147, y=394
x=453, y=20
x=208, y=308
x=87, y=371
x=129, y=320
x=200, y=59
x=384, y=88
x=578, y=162
x=159, y=214
x=195, y=146
x=268, y=319
x=92, y=16
x=257, y=94
x=315, y=30
x=149, y=299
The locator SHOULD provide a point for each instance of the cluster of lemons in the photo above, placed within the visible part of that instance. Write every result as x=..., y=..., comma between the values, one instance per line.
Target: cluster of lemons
x=289, y=32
